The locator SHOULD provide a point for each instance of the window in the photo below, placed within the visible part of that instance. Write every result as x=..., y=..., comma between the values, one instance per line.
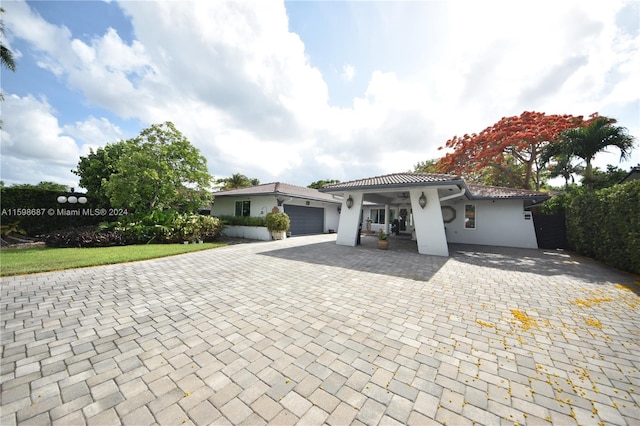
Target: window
x=469, y=216
x=243, y=208
x=377, y=216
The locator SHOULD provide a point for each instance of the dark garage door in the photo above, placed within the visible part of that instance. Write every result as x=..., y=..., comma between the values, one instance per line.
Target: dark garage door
x=305, y=220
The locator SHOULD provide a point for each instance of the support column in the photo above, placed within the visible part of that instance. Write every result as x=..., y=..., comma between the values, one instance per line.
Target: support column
x=386, y=218
x=428, y=223
x=349, y=220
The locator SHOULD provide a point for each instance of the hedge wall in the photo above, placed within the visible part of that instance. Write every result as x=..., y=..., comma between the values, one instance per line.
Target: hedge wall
x=30, y=208
x=605, y=225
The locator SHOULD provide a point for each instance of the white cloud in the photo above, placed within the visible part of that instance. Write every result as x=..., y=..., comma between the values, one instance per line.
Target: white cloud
x=33, y=145
x=93, y=132
x=240, y=86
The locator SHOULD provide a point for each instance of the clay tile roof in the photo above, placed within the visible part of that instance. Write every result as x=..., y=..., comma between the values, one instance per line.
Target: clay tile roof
x=276, y=189
x=392, y=180
x=495, y=192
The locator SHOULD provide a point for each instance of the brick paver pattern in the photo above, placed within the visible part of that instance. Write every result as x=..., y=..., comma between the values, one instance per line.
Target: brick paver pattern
x=305, y=331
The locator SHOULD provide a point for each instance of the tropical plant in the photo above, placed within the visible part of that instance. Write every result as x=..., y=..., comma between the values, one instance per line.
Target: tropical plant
x=46, y=186
x=237, y=180
x=382, y=236
x=321, y=183
x=276, y=221
x=166, y=227
x=513, y=146
x=428, y=166
x=596, y=136
x=6, y=56
x=607, y=178
x=563, y=167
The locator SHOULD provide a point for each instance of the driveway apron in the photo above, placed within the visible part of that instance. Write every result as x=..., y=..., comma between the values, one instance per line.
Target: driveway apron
x=304, y=331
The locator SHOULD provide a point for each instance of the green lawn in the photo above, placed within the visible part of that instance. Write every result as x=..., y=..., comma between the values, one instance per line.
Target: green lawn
x=43, y=259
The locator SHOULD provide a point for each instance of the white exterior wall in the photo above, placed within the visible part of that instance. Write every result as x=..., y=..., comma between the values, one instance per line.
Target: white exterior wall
x=261, y=205
x=498, y=223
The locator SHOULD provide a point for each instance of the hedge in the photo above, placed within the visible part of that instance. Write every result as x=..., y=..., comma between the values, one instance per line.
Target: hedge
x=605, y=225
x=29, y=209
x=242, y=220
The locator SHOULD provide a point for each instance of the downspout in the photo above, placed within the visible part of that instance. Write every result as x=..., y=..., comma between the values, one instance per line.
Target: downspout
x=449, y=197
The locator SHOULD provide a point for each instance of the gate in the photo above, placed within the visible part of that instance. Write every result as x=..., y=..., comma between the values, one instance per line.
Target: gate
x=551, y=231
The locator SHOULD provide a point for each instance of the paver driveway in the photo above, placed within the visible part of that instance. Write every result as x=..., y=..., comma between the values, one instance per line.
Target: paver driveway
x=304, y=331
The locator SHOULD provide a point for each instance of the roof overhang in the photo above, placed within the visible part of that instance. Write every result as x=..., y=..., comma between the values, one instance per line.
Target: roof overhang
x=394, y=189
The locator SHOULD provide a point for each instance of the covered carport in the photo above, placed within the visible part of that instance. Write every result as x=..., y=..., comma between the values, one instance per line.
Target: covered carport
x=424, y=192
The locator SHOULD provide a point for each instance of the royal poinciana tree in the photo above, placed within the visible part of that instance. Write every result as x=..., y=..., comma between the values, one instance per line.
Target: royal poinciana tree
x=512, y=147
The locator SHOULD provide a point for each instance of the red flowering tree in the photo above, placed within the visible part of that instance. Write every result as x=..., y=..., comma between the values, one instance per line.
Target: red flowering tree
x=512, y=147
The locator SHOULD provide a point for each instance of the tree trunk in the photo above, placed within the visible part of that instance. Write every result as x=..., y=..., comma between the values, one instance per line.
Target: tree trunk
x=588, y=174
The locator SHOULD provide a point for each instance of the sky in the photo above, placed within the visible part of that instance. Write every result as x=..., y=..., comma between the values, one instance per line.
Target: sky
x=301, y=91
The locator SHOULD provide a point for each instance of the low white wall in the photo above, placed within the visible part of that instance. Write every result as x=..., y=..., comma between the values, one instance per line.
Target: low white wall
x=249, y=232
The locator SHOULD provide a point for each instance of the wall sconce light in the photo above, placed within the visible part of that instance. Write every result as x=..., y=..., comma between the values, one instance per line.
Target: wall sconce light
x=422, y=201
x=339, y=209
x=349, y=202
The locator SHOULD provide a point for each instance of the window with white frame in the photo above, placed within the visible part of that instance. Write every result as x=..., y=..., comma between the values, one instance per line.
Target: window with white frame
x=377, y=216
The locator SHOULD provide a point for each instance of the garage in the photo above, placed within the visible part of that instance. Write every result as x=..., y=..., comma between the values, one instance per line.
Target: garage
x=305, y=220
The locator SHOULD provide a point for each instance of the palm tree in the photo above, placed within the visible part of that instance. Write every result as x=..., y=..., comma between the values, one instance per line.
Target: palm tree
x=564, y=167
x=6, y=56
x=585, y=142
x=237, y=180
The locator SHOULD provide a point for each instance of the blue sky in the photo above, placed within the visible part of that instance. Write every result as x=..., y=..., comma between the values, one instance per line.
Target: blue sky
x=302, y=91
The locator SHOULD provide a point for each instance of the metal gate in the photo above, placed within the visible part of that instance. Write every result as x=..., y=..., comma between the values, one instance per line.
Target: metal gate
x=551, y=231
x=305, y=220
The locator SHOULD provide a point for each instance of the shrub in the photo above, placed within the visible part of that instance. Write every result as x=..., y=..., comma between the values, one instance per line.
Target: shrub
x=242, y=220
x=558, y=203
x=86, y=236
x=158, y=227
x=198, y=227
x=605, y=225
x=277, y=221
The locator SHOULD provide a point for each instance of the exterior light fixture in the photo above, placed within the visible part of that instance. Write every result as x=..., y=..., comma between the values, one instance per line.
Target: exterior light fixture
x=62, y=199
x=349, y=202
x=82, y=200
x=422, y=201
x=72, y=199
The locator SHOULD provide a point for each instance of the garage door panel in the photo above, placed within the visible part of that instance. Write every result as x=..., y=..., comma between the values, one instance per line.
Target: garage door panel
x=305, y=220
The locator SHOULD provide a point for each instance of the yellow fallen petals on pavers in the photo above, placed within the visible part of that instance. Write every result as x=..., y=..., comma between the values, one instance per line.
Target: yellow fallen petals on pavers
x=485, y=323
x=590, y=301
x=593, y=322
x=525, y=319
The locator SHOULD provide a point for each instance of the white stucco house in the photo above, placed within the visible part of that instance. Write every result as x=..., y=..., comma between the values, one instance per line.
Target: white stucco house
x=437, y=209
x=310, y=211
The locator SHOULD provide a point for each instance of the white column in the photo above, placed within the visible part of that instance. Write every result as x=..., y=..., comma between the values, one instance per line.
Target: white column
x=349, y=220
x=428, y=223
x=386, y=218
